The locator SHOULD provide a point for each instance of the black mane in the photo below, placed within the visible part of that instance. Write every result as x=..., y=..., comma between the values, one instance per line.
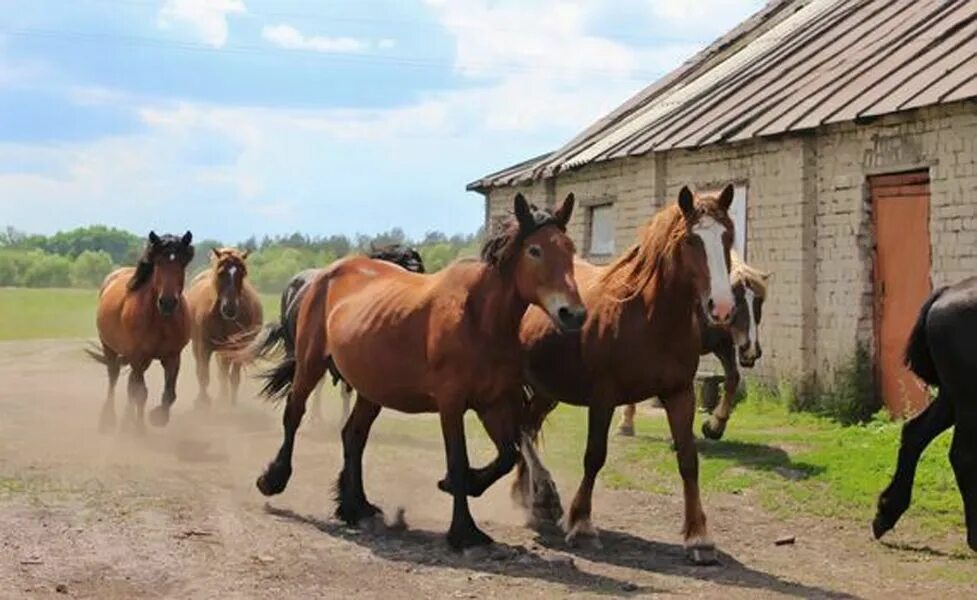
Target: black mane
x=399, y=254
x=502, y=244
x=167, y=244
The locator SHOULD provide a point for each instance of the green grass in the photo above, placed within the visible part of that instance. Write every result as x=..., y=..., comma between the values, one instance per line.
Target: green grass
x=31, y=314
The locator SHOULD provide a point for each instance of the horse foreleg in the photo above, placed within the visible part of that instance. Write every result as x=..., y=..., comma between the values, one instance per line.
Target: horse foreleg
x=463, y=532
x=137, y=394
x=223, y=377
x=160, y=415
x=579, y=524
x=353, y=507
x=316, y=416
x=917, y=433
x=626, y=428
x=346, y=391
x=113, y=365
x=201, y=355
x=235, y=377
x=680, y=409
x=278, y=472
x=500, y=424
x=715, y=426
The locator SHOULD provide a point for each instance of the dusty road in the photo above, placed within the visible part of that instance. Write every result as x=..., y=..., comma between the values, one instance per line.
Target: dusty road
x=176, y=514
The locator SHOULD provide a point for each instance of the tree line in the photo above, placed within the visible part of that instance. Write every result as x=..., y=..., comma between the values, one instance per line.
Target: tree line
x=82, y=257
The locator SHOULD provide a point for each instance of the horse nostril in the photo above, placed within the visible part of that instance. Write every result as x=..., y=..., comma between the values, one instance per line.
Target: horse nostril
x=572, y=318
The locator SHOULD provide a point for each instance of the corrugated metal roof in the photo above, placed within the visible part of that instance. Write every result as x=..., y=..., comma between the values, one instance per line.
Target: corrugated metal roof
x=795, y=65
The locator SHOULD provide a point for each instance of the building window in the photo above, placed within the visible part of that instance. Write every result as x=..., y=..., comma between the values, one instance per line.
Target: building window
x=601, y=232
x=737, y=212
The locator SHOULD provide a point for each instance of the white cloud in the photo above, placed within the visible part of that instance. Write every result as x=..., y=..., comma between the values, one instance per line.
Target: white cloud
x=291, y=38
x=386, y=43
x=206, y=18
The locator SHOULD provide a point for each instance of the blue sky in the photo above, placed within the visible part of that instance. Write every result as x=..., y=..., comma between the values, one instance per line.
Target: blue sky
x=240, y=117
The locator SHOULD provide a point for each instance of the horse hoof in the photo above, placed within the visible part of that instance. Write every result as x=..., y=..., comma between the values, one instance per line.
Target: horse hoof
x=444, y=486
x=372, y=524
x=469, y=541
x=880, y=526
x=702, y=554
x=273, y=481
x=583, y=535
x=626, y=430
x=159, y=416
x=710, y=433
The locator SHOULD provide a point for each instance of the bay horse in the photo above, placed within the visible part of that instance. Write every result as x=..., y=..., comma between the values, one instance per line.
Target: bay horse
x=445, y=343
x=941, y=352
x=739, y=339
x=142, y=316
x=641, y=339
x=223, y=306
x=282, y=333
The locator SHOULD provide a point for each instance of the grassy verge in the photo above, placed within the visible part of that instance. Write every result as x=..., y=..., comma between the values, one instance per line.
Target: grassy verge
x=31, y=314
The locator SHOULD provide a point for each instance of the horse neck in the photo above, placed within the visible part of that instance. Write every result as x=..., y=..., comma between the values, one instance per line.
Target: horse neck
x=495, y=304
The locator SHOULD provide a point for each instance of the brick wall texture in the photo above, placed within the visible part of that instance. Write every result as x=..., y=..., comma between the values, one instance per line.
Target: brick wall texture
x=809, y=219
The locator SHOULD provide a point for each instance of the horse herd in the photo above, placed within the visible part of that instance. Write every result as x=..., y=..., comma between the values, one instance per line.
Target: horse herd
x=508, y=335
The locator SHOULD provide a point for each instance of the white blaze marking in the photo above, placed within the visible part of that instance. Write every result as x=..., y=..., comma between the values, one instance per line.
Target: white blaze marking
x=172, y=257
x=711, y=232
x=232, y=271
x=752, y=335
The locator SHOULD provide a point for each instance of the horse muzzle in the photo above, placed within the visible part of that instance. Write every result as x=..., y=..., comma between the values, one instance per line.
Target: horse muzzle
x=167, y=305
x=748, y=356
x=571, y=318
x=228, y=311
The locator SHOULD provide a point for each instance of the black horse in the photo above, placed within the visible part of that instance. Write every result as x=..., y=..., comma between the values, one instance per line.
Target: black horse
x=942, y=352
x=283, y=332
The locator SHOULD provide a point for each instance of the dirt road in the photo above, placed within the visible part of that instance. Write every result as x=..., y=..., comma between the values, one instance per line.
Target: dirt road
x=176, y=514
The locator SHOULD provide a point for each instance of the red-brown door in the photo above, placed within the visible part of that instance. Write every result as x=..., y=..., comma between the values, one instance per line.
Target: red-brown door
x=902, y=281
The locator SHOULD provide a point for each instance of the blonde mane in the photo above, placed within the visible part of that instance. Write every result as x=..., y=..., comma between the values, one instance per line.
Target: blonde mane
x=754, y=278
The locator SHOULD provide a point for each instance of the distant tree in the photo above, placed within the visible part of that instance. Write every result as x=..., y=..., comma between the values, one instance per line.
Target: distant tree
x=122, y=246
x=46, y=270
x=90, y=268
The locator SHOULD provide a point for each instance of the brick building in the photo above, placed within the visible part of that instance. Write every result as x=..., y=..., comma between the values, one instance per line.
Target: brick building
x=850, y=131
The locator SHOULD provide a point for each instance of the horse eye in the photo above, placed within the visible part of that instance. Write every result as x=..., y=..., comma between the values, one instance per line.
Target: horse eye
x=535, y=251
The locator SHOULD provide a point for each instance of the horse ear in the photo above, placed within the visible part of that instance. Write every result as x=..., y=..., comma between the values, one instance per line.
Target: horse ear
x=766, y=275
x=245, y=255
x=523, y=213
x=726, y=197
x=216, y=252
x=187, y=238
x=563, y=213
x=686, y=201
x=153, y=238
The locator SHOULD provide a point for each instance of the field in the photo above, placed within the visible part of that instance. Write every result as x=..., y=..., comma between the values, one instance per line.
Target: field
x=175, y=514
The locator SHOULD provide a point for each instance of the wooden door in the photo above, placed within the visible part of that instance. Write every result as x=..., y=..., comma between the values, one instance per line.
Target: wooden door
x=902, y=281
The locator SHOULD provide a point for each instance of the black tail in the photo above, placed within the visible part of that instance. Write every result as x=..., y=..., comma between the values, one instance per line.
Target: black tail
x=918, y=357
x=278, y=381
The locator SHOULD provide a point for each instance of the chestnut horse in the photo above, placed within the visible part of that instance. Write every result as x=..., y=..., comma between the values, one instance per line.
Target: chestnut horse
x=142, y=316
x=641, y=339
x=444, y=343
x=740, y=338
x=223, y=306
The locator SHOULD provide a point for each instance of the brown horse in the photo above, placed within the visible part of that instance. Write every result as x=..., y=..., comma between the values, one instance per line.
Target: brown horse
x=444, y=343
x=223, y=306
x=641, y=339
x=740, y=338
x=143, y=316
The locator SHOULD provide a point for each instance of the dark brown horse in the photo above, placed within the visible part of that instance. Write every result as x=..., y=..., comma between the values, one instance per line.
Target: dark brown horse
x=740, y=338
x=444, y=343
x=143, y=316
x=641, y=339
x=223, y=306
x=942, y=352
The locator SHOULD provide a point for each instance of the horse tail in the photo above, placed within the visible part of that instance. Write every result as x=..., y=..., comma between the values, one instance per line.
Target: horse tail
x=249, y=346
x=917, y=356
x=278, y=381
x=96, y=353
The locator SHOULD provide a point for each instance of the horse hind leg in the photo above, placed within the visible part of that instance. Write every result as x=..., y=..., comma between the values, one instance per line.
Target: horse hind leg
x=537, y=490
x=626, y=427
x=276, y=475
x=352, y=505
x=963, y=457
x=113, y=365
x=680, y=410
x=917, y=433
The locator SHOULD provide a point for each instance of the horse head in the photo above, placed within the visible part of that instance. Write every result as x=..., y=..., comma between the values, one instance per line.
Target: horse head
x=230, y=269
x=707, y=242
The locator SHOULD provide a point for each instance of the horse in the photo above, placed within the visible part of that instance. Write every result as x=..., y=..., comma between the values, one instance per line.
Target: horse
x=641, y=339
x=739, y=339
x=445, y=343
x=940, y=351
x=282, y=333
x=223, y=305
x=142, y=316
